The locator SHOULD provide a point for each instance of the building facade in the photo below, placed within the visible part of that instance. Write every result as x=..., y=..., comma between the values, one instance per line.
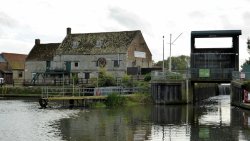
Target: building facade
x=12, y=67
x=82, y=55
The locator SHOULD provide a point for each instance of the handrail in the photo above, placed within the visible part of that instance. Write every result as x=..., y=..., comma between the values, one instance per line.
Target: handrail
x=59, y=91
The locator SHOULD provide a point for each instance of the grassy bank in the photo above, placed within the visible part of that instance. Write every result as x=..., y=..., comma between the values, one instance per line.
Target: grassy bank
x=113, y=100
x=20, y=91
x=116, y=100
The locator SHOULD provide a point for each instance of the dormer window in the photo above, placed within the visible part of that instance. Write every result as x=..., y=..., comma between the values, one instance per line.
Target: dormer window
x=75, y=44
x=99, y=43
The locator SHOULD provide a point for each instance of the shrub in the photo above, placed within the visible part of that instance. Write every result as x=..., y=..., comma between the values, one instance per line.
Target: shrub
x=127, y=81
x=115, y=100
x=147, y=77
x=104, y=79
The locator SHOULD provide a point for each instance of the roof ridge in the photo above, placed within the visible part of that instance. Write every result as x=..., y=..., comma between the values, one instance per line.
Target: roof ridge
x=12, y=53
x=104, y=32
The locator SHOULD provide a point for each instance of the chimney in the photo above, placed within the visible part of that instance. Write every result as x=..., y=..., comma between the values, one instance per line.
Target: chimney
x=37, y=41
x=68, y=31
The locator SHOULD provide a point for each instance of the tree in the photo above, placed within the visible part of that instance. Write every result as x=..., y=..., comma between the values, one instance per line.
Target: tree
x=178, y=63
x=247, y=62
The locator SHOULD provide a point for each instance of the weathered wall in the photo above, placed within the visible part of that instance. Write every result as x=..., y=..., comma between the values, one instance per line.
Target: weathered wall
x=139, y=44
x=171, y=92
x=17, y=77
x=33, y=66
x=87, y=64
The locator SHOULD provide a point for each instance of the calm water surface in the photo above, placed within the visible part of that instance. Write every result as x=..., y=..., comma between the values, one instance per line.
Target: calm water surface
x=212, y=119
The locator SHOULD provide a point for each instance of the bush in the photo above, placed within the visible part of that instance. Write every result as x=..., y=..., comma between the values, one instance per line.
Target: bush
x=115, y=100
x=104, y=79
x=127, y=81
x=147, y=77
x=141, y=98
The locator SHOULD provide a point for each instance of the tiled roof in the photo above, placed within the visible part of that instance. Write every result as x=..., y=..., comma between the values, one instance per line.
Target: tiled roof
x=4, y=67
x=16, y=61
x=97, y=43
x=42, y=52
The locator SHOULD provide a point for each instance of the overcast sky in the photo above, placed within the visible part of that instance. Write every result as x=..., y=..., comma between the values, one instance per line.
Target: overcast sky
x=23, y=21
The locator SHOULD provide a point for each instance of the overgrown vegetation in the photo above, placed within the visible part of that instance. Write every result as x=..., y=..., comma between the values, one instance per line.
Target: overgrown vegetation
x=115, y=100
x=147, y=77
x=127, y=81
x=104, y=79
x=139, y=98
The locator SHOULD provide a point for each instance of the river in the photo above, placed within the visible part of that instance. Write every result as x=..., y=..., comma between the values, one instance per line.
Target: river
x=211, y=119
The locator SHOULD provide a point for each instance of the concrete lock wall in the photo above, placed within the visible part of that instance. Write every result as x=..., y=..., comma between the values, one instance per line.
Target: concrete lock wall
x=172, y=92
x=237, y=93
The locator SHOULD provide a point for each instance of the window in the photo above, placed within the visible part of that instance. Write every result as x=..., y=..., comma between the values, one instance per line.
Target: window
x=98, y=43
x=20, y=74
x=101, y=62
x=48, y=64
x=76, y=64
x=225, y=42
x=75, y=44
x=86, y=75
x=116, y=63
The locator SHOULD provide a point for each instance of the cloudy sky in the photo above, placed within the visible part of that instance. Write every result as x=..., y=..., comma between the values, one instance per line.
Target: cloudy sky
x=22, y=21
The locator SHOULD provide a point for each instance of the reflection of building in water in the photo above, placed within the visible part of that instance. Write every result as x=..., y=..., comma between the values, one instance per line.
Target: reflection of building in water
x=213, y=120
x=172, y=114
x=108, y=124
x=241, y=118
x=171, y=122
x=217, y=120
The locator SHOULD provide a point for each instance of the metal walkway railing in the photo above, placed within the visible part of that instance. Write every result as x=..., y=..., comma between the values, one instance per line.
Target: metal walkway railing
x=100, y=91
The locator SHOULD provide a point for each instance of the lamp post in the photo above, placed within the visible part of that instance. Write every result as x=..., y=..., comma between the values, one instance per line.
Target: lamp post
x=163, y=57
x=171, y=43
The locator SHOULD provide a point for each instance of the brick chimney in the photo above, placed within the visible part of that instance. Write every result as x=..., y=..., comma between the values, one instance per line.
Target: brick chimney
x=68, y=31
x=37, y=41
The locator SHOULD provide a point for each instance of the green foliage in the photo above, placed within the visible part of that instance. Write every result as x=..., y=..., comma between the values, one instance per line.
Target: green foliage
x=127, y=81
x=140, y=98
x=246, y=63
x=115, y=100
x=174, y=76
x=147, y=77
x=104, y=79
x=143, y=85
x=178, y=63
x=97, y=105
x=20, y=90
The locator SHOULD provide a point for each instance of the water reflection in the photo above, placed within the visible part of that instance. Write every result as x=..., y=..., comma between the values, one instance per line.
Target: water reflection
x=171, y=122
x=213, y=119
x=24, y=121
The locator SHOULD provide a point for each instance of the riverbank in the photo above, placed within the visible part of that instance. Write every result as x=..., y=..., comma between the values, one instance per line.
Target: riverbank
x=35, y=93
x=20, y=91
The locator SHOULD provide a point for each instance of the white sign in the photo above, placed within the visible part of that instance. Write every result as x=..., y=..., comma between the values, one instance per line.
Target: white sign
x=140, y=54
x=242, y=75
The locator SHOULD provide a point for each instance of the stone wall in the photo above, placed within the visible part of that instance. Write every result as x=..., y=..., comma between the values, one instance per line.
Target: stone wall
x=82, y=64
x=139, y=44
x=33, y=66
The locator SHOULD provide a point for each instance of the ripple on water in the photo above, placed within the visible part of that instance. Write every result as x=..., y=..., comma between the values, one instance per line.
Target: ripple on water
x=24, y=121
